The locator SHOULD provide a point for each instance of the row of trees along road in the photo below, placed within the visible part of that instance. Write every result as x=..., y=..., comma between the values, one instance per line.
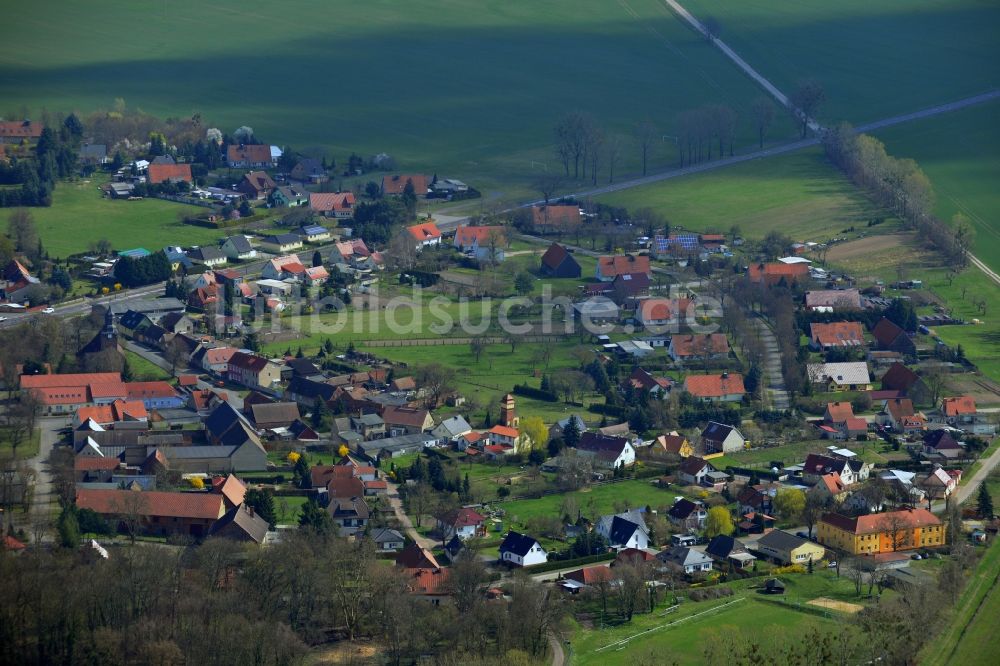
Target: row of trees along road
x=583, y=146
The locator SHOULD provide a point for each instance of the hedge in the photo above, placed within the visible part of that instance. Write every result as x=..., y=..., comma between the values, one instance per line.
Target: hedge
x=564, y=564
x=537, y=394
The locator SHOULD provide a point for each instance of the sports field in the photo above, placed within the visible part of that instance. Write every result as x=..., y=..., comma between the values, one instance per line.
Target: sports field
x=80, y=215
x=463, y=88
x=874, y=59
x=960, y=152
x=800, y=194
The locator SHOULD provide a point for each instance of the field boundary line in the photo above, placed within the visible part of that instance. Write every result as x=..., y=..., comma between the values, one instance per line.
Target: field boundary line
x=668, y=624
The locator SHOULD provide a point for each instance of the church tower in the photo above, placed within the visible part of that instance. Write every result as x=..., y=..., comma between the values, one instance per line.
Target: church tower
x=508, y=417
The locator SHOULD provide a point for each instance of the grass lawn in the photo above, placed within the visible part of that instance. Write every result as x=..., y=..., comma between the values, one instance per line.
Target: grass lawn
x=79, y=215
x=871, y=451
x=27, y=449
x=595, y=501
x=485, y=122
x=960, y=152
x=800, y=194
x=971, y=637
x=900, y=55
x=144, y=370
x=686, y=641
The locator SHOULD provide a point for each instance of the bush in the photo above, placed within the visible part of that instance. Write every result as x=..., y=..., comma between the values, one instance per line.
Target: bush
x=196, y=482
x=708, y=593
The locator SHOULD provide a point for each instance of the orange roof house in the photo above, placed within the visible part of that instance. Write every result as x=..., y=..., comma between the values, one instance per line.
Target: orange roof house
x=469, y=237
x=174, y=173
x=426, y=233
x=118, y=411
x=546, y=219
x=16, y=131
x=248, y=155
x=727, y=387
x=836, y=334
x=332, y=204
x=395, y=185
x=962, y=405
x=773, y=273
x=838, y=412
x=608, y=268
x=906, y=529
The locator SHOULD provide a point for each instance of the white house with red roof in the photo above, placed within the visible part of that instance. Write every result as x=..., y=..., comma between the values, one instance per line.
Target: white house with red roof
x=287, y=267
x=465, y=523
x=425, y=234
x=608, y=268
x=726, y=387
x=338, y=205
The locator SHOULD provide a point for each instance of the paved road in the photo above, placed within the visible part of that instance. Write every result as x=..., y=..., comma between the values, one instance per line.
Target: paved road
x=971, y=485
x=984, y=268
x=772, y=365
x=404, y=520
x=43, y=496
x=157, y=359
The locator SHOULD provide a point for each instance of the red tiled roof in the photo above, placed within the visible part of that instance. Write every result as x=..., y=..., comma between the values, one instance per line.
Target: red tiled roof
x=424, y=231
x=833, y=483
x=464, y=517
x=187, y=380
x=407, y=416
x=10, y=543
x=591, y=575
x=467, y=235
x=838, y=334
x=958, y=406
x=899, y=408
x=233, y=490
x=774, y=272
x=147, y=390
x=618, y=265
x=158, y=173
x=199, y=505
x=323, y=202
x=104, y=390
x=428, y=581
x=21, y=129
x=855, y=424
x=218, y=355
x=396, y=184
x=839, y=411
x=82, y=379
x=555, y=216
x=693, y=345
x=119, y=410
x=62, y=395
x=255, y=153
x=505, y=431
x=879, y=522
x=93, y=463
x=714, y=386
x=248, y=361
x=886, y=332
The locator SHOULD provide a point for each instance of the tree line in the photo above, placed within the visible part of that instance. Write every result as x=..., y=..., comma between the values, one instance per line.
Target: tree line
x=54, y=157
x=899, y=185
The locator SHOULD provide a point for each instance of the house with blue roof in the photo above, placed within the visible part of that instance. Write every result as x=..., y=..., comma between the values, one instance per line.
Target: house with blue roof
x=314, y=233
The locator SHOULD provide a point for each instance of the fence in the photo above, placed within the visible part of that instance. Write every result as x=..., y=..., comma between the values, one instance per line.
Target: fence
x=435, y=342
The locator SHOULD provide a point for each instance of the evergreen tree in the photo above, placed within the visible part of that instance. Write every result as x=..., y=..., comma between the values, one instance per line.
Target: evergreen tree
x=409, y=199
x=466, y=488
x=984, y=502
x=69, y=528
x=300, y=473
x=317, y=258
x=262, y=502
x=300, y=353
x=127, y=371
x=314, y=517
x=571, y=433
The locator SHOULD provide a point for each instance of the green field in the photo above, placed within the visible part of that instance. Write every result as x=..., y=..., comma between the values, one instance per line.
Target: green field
x=960, y=152
x=800, y=194
x=463, y=88
x=686, y=641
x=874, y=59
x=79, y=216
x=971, y=637
x=595, y=502
x=144, y=370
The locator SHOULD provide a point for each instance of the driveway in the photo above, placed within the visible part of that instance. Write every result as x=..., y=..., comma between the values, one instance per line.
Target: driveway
x=43, y=497
x=404, y=520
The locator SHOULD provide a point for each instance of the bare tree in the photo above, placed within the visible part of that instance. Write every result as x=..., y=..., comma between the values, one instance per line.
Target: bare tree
x=629, y=590
x=646, y=135
x=896, y=527
x=806, y=99
x=614, y=155
x=132, y=509
x=763, y=116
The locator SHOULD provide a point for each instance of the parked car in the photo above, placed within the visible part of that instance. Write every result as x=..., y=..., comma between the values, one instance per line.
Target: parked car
x=48, y=310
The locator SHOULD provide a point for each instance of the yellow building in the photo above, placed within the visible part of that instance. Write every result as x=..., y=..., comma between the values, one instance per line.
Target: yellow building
x=881, y=532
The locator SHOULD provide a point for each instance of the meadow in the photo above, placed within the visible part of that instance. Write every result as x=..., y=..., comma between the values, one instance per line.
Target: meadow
x=959, y=153
x=800, y=194
x=874, y=59
x=685, y=643
x=80, y=215
x=468, y=89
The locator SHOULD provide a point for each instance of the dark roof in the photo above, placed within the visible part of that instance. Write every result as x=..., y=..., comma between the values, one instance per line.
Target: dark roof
x=132, y=319
x=241, y=521
x=414, y=557
x=171, y=319
x=682, y=508
x=283, y=239
x=940, y=439
x=621, y=531
x=886, y=332
x=455, y=546
x=554, y=256
x=717, y=432
x=303, y=367
x=385, y=535
x=519, y=544
x=310, y=389
x=239, y=243
x=817, y=463
x=781, y=540
x=693, y=464
x=899, y=378
x=603, y=445
x=353, y=507
x=723, y=546
x=221, y=419
x=206, y=253
x=631, y=284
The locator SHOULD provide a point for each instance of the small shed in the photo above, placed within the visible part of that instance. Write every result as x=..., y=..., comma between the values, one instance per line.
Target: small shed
x=774, y=586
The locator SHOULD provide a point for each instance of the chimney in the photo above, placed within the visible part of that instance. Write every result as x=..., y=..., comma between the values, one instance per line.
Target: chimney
x=250, y=510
